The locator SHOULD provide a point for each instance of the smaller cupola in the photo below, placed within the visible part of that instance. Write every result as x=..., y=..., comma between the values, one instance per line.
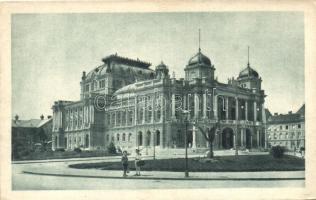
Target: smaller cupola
x=162, y=71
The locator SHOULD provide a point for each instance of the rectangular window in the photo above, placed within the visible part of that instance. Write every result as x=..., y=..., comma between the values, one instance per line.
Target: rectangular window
x=286, y=127
x=102, y=84
x=299, y=126
x=280, y=127
x=87, y=88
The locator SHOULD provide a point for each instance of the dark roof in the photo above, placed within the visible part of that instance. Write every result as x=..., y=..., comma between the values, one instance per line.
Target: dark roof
x=301, y=110
x=248, y=72
x=128, y=61
x=287, y=118
x=199, y=58
x=31, y=123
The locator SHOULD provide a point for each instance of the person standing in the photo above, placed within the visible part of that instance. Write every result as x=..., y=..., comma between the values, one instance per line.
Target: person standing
x=137, y=161
x=124, y=163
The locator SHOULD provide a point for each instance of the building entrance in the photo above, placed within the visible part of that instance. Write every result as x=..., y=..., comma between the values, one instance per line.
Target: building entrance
x=248, y=139
x=227, y=138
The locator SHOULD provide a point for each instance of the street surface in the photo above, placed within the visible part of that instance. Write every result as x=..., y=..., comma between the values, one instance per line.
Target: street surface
x=24, y=181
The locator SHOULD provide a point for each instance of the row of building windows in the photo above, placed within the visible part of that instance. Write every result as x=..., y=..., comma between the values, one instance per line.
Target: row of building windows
x=285, y=127
x=94, y=85
x=286, y=135
x=125, y=137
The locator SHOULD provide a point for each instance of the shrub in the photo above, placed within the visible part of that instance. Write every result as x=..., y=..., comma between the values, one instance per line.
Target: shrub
x=277, y=151
x=111, y=148
x=77, y=150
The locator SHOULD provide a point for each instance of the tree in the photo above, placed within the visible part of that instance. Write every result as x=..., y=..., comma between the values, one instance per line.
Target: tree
x=111, y=148
x=209, y=135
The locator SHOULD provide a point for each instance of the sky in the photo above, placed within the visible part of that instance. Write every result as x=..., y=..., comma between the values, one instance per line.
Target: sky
x=50, y=51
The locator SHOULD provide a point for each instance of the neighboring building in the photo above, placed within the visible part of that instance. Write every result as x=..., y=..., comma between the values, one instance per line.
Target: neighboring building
x=27, y=135
x=287, y=130
x=125, y=102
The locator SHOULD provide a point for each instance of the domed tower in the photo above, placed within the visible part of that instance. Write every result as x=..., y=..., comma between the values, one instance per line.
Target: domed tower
x=199, y=66
x=249, y=78
x=162, y=71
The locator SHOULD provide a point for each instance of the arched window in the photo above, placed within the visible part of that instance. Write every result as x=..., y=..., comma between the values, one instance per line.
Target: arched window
x=123, y=137
x=157, y=138
x=131, y=114
x=140, y=138
x=148, y=136
x=129, y=137
x=118, y=137
x=87, y=141
x=107, y=137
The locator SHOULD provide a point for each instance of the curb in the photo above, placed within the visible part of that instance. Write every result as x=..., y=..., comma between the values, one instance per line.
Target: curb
x=163, y=178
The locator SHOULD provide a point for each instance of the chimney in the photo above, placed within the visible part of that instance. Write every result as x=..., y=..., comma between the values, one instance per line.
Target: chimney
x=16, y=118
x=42, y=117
x=275, y=114
x=49, y=116
x=290, y=112
x=83, y=75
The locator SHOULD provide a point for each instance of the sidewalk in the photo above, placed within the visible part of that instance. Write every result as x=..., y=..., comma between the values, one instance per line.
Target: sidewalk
x=172, y=155
x=65, y=171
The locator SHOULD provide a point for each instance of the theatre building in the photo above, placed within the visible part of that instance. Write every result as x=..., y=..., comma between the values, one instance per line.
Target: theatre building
x=127, y=102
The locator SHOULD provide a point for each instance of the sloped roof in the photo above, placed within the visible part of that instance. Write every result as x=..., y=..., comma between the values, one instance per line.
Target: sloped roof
x=31, y=123
x=287, y=118
x=301, y=110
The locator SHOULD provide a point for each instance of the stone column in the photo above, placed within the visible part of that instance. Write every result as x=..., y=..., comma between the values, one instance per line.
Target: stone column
x=251, y=140
x=135, y=114
x=184, y=103
x=255, y=111
x=92, y=112
x=173, y=106
x=227, y=110
x=235, y=137
x=246, y=110
x=194, y=137
x=237, y=110
x=161, y=110
x=152, y=108
x=196, y=105
x=258, y=139
x=215, y=107
x=152, y=138
x=242, y=137
x=126, y=117
x=144, y=110
x=204, y=105
x=78, y=116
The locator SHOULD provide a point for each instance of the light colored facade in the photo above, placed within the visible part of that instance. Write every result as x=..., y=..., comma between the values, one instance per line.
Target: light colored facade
x=125, y=102
x=287, y=130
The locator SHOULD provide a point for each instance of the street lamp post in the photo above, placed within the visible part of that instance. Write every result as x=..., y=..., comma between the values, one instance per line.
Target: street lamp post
x=154, y=145
x=186, y=113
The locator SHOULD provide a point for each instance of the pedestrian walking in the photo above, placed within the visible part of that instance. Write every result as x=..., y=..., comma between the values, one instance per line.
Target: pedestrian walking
x=124, y=163
x=137, y=162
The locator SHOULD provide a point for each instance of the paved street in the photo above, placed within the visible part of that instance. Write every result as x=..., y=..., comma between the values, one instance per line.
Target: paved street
x=58, y=176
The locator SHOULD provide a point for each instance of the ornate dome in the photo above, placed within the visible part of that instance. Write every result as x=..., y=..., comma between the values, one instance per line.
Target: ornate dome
x=248, y=72
x=199, y=58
